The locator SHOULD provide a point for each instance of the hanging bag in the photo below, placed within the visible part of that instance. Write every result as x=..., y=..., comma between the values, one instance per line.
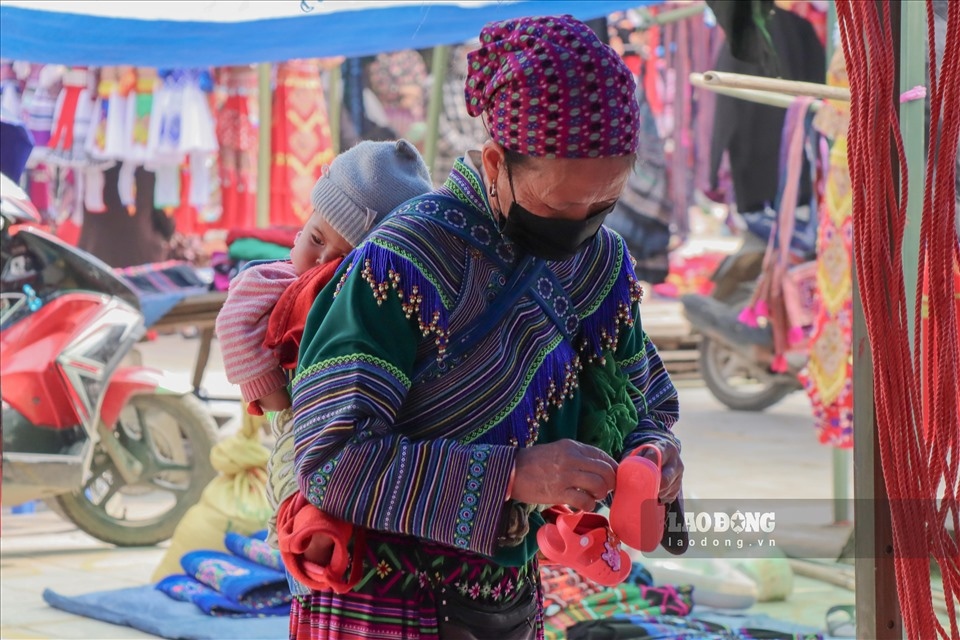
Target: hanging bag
x=785, y=294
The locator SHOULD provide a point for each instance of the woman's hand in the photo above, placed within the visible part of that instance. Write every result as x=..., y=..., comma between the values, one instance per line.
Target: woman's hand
x=563, y=472
x=671, y=474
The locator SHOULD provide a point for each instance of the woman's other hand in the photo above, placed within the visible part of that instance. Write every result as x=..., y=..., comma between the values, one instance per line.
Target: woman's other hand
x=671, y=474
x=563, y=472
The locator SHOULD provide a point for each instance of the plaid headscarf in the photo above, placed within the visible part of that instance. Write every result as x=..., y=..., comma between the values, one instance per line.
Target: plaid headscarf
x=548, y=87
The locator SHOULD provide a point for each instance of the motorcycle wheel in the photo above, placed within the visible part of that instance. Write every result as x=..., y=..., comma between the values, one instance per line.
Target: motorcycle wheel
x=733, y=383
x=172, y=437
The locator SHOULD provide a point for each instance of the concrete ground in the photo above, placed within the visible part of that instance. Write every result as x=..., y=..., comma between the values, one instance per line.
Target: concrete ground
x=729, y=457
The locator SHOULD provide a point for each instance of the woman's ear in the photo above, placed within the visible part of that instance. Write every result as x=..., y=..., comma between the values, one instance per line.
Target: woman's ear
x=492, y=157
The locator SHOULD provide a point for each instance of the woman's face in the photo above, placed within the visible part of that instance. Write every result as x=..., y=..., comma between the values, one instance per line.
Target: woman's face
x=559, y=188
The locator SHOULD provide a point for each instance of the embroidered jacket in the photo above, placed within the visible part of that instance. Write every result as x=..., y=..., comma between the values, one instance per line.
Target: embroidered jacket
x=407, y=415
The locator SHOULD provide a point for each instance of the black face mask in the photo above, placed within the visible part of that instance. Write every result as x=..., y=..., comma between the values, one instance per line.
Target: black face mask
x=549, y=238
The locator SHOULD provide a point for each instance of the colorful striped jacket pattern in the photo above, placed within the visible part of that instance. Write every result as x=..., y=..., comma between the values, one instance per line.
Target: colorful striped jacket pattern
x=393, y=435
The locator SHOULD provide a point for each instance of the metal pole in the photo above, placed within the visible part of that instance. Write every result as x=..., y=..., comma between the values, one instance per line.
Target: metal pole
x=912, y=121
x=441, y=57
x=831, y=28
x=336, y=105
x=265, y=98
x=841, y=485
x=842, y=458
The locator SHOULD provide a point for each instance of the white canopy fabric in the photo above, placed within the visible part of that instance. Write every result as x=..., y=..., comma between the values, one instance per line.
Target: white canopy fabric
x=196, y=33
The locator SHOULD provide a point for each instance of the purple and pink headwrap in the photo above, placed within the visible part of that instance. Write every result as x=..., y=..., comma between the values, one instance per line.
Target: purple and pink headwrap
x=548, y=87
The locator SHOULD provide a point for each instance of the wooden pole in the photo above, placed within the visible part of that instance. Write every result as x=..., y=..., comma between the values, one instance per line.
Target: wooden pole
x=265, y=98
x=878, y=609
x=790, y=87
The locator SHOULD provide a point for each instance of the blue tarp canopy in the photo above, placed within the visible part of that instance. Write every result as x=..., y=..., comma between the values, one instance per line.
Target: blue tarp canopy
x=200, y=34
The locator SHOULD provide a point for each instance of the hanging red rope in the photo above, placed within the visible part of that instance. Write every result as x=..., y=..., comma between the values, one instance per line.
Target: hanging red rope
x=918, y=425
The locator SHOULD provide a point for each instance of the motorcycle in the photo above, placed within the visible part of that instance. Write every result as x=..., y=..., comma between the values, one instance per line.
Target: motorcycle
x=115, y=448
x=735, y=359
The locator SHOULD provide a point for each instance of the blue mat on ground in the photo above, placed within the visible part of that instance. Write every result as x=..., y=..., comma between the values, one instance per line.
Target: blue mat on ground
x=151, y=611
x=742, y=620
x=709, y=626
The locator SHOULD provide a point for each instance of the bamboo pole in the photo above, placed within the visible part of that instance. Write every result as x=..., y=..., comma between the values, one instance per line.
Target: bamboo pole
x=336, y=105
x=265, y=99
x=648, y=20
x=789, y=87
x=441, y=58
x=840, y=576
x=769, y=98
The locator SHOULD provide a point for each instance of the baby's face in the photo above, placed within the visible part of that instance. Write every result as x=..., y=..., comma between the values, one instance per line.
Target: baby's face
x=317, y=244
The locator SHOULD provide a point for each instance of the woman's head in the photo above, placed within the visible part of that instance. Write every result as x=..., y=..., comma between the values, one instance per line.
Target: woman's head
x=549, y=88
x=563, y=119
x=552, y=207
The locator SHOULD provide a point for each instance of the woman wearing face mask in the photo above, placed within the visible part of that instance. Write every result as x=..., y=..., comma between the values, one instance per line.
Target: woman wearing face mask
x=449, y=382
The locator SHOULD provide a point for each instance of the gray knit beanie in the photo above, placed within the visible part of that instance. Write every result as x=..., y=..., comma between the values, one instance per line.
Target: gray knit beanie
x=362, y=185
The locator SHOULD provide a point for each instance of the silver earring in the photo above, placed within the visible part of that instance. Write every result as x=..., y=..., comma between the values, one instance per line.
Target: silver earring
x=493, y=190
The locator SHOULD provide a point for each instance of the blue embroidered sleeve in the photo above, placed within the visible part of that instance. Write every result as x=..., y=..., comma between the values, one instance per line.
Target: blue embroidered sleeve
x=657, y=403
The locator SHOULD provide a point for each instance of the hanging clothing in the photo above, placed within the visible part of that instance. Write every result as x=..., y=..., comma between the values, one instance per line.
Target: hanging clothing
x=397, y=79
x=644, y=213
x=72, y=119
x=813, y=11
x=39, y=102
x=237, y=135
x=139, y=108
x=121, y=237
x=828, y=377
x=300, y=141
x=457, y=130
x=691, y=45
x=379, y=401
x=749, y=132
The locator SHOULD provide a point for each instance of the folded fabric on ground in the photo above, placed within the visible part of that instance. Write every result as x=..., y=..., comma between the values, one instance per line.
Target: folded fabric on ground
x=161, y=286
x=150, y=611
x=244, y=582
x=759, y=622
x=647, y=627
x=249, y=581
x=569, y=599
x=211, y=602
x=283, y=236
x=247, y=249
x=255, y=550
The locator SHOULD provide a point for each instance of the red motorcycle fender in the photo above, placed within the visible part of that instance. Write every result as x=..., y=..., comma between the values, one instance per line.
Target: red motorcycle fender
x=130, y=381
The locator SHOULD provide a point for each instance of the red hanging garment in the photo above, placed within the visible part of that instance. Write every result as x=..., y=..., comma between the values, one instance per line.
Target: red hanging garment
x=300, y=141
